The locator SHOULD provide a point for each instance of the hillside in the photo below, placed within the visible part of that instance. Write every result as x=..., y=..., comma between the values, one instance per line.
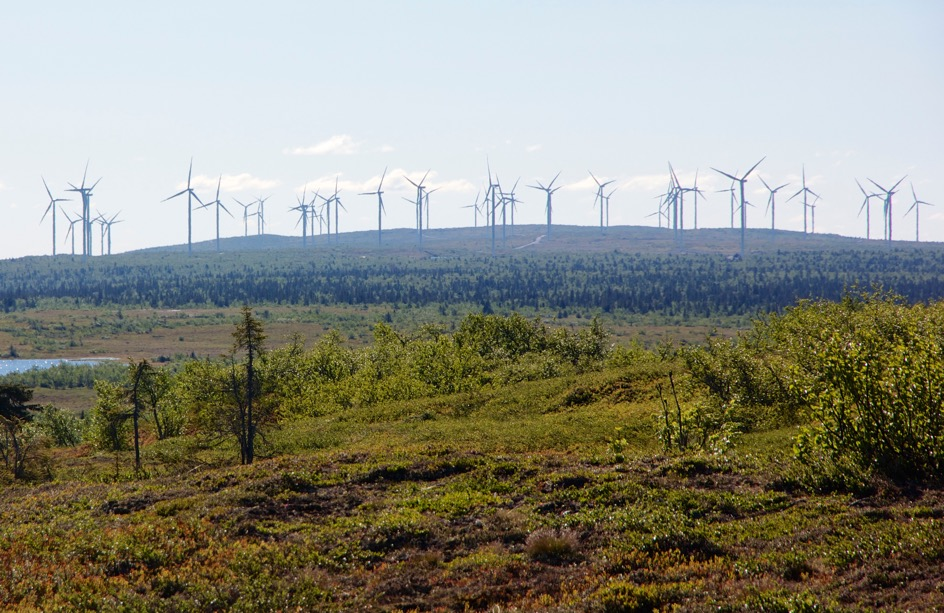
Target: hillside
x=563, y=239
x=632, y=270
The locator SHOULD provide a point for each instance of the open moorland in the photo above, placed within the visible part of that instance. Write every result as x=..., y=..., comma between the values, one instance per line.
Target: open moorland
x=633, y=426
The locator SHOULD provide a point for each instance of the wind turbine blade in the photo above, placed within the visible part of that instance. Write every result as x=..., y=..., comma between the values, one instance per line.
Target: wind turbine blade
x=47, y=189
x=551, y=184
x=764, y=182
x=879, y=186
x=594, y=178
x=732, y=177
x=753, y=167
x=380, y=187
x=897, y=184
x=672, y=176
x=175, y=195
x=861, y=189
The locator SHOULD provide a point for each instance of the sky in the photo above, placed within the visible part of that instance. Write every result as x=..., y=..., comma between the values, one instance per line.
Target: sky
x=276, y=97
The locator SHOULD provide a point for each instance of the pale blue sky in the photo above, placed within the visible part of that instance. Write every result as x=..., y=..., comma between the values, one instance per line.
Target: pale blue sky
x=273, y=95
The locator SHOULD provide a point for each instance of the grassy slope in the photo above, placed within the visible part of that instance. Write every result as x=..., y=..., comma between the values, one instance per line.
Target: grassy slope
x=431, y=504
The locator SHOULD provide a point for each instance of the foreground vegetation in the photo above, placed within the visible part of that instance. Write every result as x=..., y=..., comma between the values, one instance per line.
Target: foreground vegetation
x=509, y=463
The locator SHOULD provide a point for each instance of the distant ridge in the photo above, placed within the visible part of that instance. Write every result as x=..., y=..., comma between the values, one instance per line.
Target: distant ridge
x=565, y=239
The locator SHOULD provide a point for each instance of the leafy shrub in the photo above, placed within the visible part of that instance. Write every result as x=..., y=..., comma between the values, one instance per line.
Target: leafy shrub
x=875, y=378
x=867, y=373
x=63, y=429
x=626, y=597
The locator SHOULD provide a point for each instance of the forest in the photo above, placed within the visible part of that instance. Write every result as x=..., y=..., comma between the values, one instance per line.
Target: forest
x=683, y=285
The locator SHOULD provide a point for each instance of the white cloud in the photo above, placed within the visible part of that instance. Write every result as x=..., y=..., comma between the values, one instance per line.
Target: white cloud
x=454, y=185
x=2, y=186
x=339, y=144
x=394, y=181
x=533, y=148
x=385, y=149
x=230, y=183
x=644, y=182
x=587, y=184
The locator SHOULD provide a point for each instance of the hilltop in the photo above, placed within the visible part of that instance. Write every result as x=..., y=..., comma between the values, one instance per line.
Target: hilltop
x=565, y=239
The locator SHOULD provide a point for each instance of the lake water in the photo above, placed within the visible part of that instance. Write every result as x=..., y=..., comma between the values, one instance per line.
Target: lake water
x=17, y=365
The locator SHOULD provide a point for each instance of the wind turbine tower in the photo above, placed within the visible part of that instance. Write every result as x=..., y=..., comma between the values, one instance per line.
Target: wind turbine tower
x=742, y=180
x=52, y=209
x=806, y=192
x=867, y=208
x=71, y=229
x=916, y=206
x=549, y=190
x=191, y=196
x=772, y=200
x=86, y=193
x=887, y=208
x=420, y=188
x=219, y=205
x=600, y=197
x=380, y=206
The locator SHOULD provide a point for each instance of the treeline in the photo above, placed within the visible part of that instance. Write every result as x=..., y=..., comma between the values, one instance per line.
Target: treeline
x=682, y=285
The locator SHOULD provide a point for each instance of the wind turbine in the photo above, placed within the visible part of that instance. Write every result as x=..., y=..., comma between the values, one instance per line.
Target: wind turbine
x=613, y=191
x=426, y=203
x=420, y=188
x=337, y=207
x=303, y=217
x=490, y=202
x=475, y=209
x=771, y=200
x=86, y=193
x=260, y=214
x=676, y=197
x=380, y=206
x=742, y=180
x=731, y=191
x=219, y=205
x=191, y=195
x=110, y=223
x=887, y=208
x=916, y=206
x=71, y=229
x=599, y=196
x=513, y=205
x=52, y=208
x=106, y=224
x=549, y=189
x=805, y=191
x=694, y=189
x=333, y=199
x=246, y=215
x=314, y=214
x=865, y=205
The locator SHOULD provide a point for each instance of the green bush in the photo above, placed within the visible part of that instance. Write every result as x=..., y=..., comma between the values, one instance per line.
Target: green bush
x=63, y=429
